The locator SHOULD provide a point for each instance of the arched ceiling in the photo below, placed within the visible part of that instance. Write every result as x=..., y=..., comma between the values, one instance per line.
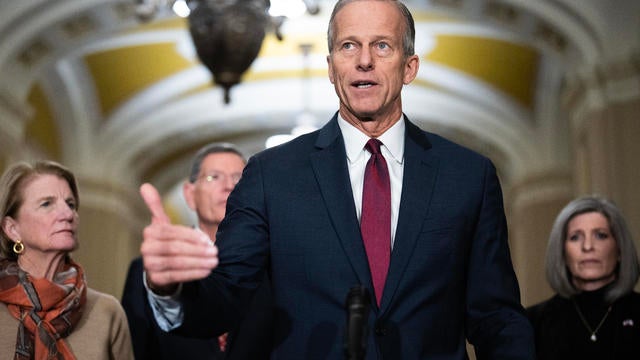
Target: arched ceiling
x=85, y=82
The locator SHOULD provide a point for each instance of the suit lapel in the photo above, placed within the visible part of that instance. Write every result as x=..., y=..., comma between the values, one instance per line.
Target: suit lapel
x=420, y=171
x=330, y=167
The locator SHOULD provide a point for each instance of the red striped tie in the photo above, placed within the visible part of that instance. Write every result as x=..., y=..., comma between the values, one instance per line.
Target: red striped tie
x=375, y=223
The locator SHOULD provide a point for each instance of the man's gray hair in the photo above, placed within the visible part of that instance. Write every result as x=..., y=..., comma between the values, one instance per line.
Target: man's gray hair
x=213, y=148
x=408, y=38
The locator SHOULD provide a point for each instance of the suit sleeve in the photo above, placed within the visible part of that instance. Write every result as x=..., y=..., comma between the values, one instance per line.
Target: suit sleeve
x=496, y=322
x=217, y=303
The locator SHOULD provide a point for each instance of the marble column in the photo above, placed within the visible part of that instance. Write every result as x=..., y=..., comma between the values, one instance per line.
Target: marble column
x=111, y=222
x=532, y=208
x=604, y=108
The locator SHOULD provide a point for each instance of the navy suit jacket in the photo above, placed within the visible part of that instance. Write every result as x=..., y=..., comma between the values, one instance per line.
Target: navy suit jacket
x=249, y=340
x=151, y=342
x=450, y=275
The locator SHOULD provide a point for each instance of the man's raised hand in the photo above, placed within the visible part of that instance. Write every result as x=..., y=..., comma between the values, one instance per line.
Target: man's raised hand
x=173, y=254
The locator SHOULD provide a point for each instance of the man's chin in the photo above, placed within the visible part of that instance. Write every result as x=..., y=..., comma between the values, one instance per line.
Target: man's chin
x=365, y=115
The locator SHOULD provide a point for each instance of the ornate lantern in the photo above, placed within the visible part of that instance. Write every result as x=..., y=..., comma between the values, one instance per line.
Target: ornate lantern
x=228, y=35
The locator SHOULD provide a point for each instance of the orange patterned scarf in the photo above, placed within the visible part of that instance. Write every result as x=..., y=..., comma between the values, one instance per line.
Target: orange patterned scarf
x=47, y=311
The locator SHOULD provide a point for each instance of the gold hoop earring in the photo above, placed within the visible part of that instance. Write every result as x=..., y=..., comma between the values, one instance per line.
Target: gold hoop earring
x=18, y=247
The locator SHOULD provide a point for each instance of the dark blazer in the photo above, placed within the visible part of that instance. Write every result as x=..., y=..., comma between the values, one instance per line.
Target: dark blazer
x=560, y=333
x=450, y=275
x=151, y=342
x=250, y=340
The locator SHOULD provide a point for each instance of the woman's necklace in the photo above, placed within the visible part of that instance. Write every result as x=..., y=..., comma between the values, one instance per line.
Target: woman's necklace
x=593, y=336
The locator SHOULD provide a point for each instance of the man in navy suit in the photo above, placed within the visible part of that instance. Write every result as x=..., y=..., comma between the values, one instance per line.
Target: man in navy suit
x=296, y=215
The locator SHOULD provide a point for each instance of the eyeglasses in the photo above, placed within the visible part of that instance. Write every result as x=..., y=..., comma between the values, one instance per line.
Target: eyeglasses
x=220, y=178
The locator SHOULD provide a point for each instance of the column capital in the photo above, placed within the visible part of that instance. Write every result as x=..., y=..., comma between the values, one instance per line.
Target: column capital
x=597, y=87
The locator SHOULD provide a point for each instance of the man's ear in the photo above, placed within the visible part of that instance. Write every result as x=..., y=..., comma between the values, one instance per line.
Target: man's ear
x=188, y=190
x=330, y=68
x=411, y=69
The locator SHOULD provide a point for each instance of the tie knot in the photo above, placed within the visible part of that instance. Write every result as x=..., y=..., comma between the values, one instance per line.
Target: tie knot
x=373, y=146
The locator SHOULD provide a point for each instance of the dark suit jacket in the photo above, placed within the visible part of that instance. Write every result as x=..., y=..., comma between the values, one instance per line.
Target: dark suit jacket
x=151, y=342
x=560, y=333
x=250, y=340
x=450, y=275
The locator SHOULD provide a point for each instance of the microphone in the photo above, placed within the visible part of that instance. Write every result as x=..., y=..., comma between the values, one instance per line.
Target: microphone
x=357, y=304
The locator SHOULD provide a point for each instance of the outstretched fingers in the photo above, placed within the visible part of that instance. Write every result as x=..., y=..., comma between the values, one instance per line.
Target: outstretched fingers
x=173, y=253
x=152, y=198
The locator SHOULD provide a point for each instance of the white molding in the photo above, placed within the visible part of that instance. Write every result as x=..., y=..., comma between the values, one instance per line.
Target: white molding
x=547, y=189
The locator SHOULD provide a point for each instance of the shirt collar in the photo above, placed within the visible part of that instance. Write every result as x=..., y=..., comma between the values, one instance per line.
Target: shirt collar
x=355, y=140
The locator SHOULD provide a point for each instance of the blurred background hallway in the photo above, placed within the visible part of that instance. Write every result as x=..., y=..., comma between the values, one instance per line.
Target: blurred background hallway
x=548, y=89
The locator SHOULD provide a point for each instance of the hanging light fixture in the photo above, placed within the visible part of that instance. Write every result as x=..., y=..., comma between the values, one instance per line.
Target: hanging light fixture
x=227, y=34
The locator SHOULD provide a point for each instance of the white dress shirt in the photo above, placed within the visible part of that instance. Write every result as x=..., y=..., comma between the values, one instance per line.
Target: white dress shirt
x=357, y=156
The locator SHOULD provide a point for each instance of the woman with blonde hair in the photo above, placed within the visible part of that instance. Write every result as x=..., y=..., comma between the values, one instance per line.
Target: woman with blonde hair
x=48, y=310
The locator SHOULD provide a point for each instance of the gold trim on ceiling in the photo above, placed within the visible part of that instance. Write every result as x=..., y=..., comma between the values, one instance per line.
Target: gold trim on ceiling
x=511, y=68
x=120, y=74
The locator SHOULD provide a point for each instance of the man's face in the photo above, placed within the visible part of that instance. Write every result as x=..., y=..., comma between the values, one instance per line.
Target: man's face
x=219, y=173
x=367, y=65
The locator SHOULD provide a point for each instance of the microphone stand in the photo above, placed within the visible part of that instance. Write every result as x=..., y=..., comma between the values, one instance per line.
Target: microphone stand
x=357, y=304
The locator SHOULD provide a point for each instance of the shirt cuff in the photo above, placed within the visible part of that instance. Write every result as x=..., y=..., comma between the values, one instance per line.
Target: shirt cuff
x=167, y=310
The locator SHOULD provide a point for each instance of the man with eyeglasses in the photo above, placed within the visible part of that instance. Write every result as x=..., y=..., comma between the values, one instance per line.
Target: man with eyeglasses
x=215, y=170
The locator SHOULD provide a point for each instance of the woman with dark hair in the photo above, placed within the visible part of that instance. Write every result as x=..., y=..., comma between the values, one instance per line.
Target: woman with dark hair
x=47, y=310
x=592, y=265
